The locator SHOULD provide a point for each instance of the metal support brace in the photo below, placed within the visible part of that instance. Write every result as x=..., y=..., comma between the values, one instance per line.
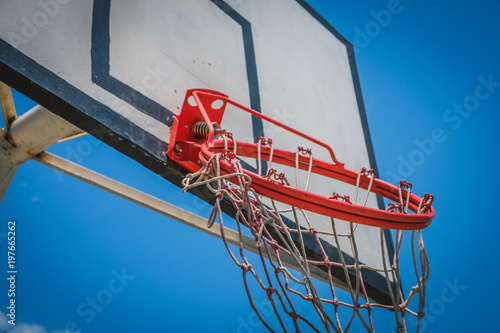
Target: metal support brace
x=136, y=196
x=154, y=204
x=25, y=136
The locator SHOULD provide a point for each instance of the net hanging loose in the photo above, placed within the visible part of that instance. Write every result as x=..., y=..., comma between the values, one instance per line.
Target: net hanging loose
x=278, y=216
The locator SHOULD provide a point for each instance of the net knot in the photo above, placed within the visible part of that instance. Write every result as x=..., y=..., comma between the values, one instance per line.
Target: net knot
x=228, y=135
x=304, y=151
x=246, y=267
x=273, y=175
x=265, y=141
x=426, y=203
x=344, y=198
x=393, y=207
x=228, y=155
x=400, y=328
x=425, y=208
x=313, y=231
x=366, y=172
x=404, y=184
x=274, y=245
x=258, y=214
x=269, y=292
x=428, y=198
x=421, y=314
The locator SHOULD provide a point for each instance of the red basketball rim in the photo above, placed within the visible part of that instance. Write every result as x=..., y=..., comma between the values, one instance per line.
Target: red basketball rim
x=318, y=203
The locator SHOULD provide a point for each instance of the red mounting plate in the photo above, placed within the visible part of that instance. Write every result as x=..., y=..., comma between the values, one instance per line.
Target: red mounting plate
x=184, y=146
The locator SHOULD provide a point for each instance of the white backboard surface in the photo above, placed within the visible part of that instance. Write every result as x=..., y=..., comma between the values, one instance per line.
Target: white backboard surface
x=119, y=69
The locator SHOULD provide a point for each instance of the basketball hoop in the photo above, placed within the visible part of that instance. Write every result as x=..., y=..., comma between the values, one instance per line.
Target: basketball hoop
x=213, y=157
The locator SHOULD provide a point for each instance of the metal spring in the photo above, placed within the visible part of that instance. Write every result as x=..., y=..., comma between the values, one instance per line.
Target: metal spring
x=200, y=130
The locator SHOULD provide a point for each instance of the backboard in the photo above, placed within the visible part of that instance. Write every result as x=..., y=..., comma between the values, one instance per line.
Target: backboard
x=120, y=71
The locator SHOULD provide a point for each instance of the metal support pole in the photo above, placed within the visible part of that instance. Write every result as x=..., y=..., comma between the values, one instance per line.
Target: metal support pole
x=138, y=197
x=159, y=206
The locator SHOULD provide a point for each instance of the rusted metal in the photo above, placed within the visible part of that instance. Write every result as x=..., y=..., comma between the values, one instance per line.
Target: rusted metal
x=7, y=105
x=28, y=135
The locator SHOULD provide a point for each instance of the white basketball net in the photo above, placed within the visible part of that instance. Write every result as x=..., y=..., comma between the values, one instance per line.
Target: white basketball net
x=275, y=238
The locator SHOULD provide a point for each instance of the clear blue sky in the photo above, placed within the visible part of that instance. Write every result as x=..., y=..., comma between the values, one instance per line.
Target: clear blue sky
x=424, y=74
